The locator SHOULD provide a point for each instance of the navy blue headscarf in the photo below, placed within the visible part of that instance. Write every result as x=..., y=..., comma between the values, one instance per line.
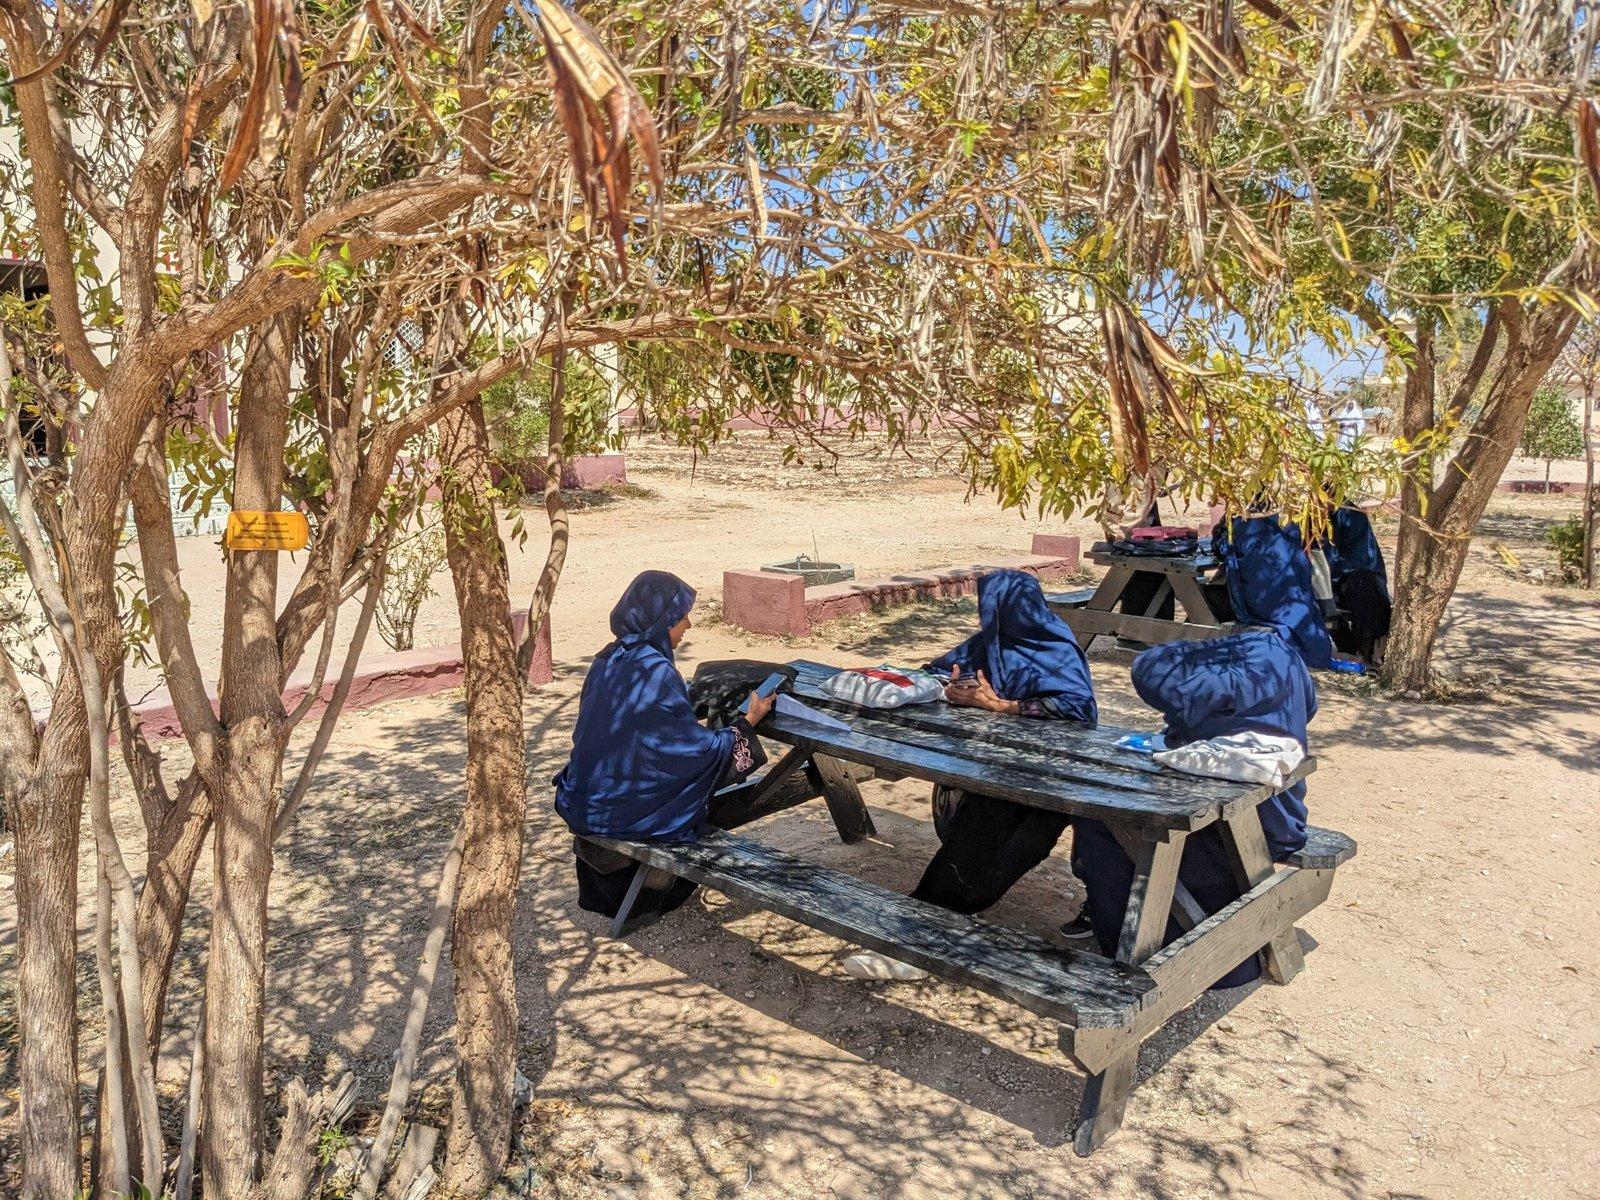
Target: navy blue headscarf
x=1246, y=682
x=1353, y=546
x=1269, y=582
x=1024, y=650
x=642, y=768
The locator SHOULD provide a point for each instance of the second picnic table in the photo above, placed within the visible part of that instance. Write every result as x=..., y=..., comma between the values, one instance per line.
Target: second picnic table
x=1183, y=577
x=1106, y=1006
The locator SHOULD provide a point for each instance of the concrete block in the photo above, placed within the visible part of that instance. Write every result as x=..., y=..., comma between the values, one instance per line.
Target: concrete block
x=1063, y=546
x=765, y=603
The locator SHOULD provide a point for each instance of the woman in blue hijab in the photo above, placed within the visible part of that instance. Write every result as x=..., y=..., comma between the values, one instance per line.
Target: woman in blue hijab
x=1269, y=583
x=1245, y=682
x=1360, y=584
x=1023, y=661
x=642, y=767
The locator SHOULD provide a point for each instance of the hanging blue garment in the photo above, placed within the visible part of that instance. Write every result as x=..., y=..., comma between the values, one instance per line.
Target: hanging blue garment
x=1352, y=546
x=642, y=768
x=1269, y=583
x=1025, y=650
x=1246, y=682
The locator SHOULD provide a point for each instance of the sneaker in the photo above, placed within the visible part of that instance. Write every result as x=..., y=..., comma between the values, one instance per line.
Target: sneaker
x=869, y=964
x=1078, y=929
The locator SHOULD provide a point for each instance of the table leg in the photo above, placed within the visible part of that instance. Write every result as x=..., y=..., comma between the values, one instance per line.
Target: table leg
x=1252, y=863
x=845, y=806
x=634, y=888
x=1186, y=909
x=1155, y=877
x=1197, y=609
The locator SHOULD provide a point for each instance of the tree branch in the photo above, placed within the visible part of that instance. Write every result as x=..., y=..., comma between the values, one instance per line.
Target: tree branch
x=49, y=196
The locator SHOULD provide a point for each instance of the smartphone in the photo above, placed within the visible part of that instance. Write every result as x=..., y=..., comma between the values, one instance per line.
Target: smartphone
x=768, y=687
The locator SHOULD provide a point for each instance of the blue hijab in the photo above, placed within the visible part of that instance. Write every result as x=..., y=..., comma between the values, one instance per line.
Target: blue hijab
x=1352, y=546
x=1269, y=582
x=1024, y=650
x=642, y=768
x=1246, y=682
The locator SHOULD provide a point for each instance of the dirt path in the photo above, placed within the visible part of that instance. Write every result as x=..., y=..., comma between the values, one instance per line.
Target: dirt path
x=1443, y=1042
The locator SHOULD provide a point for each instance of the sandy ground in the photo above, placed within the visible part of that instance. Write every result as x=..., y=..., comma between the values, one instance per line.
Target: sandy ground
x=1444, y=1040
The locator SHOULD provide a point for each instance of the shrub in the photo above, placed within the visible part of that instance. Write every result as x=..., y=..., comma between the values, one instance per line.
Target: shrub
x=407, y=583
x=517, y=411
x=1566, y=539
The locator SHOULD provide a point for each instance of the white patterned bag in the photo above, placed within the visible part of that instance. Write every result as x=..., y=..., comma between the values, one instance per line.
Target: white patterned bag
x=883, y=687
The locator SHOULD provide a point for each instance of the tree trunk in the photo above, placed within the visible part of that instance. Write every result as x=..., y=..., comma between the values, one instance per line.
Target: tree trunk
x=496, y=804
x=1587, y=571
x=252, y=713
x=44, y=821
x=1437, y=524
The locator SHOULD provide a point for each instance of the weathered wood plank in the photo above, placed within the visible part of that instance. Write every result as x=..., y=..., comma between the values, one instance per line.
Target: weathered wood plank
x=1077, y=599
x=1198, y=565
x=1186, y=909
x=1026, y=786
x=1223, y=940
x=1324, y=848
x=1196, y=604
x=1057, y=748
x=1065, y=985
x=1067, y=750
x=1155, y=876
x=1088, y=622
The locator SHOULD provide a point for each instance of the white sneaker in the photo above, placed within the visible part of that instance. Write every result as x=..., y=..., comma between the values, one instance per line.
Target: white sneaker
x=869, y=964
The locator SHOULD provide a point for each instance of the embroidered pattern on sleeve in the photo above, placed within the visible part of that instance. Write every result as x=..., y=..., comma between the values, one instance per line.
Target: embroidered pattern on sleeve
x=743, y=760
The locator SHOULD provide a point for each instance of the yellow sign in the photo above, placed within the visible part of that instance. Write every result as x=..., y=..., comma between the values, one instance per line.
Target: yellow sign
x=266, y=531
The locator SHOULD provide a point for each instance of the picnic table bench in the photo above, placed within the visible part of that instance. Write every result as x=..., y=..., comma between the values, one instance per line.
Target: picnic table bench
x=1106, y=1006
x=1184, y=577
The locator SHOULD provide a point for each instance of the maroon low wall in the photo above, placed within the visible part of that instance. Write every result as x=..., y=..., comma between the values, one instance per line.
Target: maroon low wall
x=587, y=471
x=1538, y=487
x=378, y=680
x=782, y=606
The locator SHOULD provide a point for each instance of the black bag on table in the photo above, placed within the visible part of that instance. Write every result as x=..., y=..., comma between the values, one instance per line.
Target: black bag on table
x=719, y=688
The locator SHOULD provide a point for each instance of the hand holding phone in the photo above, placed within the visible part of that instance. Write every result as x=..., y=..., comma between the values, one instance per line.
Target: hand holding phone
x=759, y=703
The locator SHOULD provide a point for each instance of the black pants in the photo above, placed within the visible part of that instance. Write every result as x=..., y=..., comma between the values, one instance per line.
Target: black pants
x=604, y=876
x=1107, y=873
x=989, y=844
x=1367, y=608
x=1139, y=593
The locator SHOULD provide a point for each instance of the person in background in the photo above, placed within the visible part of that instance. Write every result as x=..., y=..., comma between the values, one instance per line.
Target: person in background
x=1360, y=584
x=1242, y=683
x=1023, y=662
x=642, y=767
x=1269, y=583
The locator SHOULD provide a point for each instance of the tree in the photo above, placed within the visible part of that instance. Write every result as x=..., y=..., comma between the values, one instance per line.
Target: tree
x=1441, y=191
x=1582, y=363
x=1551, y=431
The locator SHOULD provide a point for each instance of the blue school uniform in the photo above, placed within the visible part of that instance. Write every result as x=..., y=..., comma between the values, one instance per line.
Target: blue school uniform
x=1025, y=651
x=1269, y=583
x=1245, y=682
x=1028, y=654
x=1353, y=547
x=642, y=767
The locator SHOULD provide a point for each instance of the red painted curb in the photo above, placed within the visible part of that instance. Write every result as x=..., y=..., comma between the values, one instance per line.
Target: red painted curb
x=385, y=677
x=781, y=605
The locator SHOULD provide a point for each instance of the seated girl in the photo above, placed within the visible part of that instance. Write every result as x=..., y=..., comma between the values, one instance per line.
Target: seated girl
x=1360, y=584
x=1269, y=583
x=1245, y=683
x=1023, y=661
x=642, y=768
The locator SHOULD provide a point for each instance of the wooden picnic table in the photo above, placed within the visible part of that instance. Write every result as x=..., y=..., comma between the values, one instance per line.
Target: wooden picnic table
x=1107, y=1006
x=1182, y=576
